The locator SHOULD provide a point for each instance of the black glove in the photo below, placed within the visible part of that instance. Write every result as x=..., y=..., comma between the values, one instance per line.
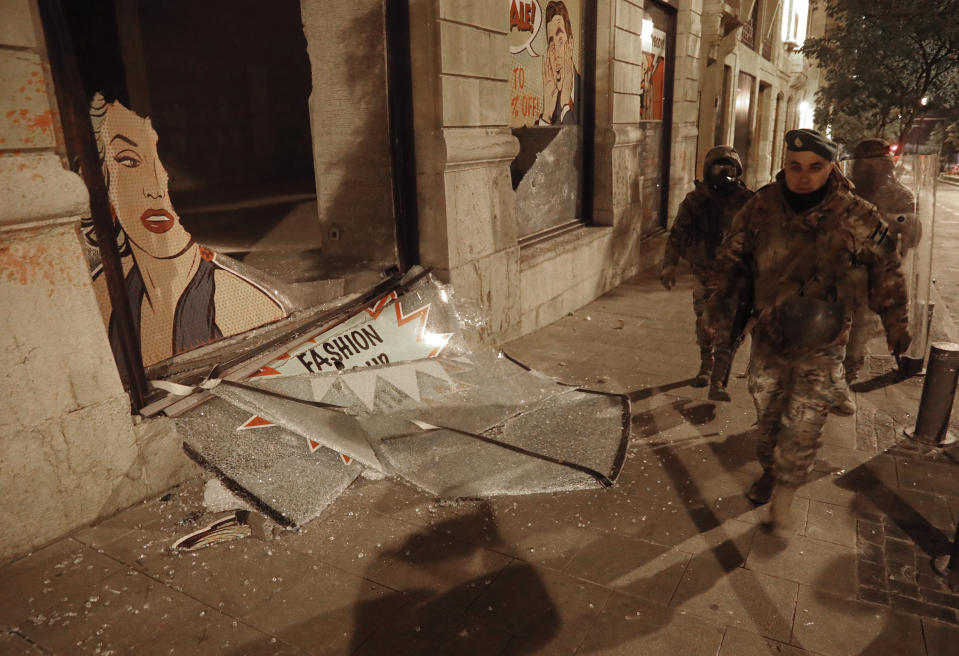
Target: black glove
x=668, y=276
x=898, y=339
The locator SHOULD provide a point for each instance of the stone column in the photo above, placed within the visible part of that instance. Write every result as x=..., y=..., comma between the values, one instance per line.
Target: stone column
x=688, y=92
x=69, y=450
x=463, y=151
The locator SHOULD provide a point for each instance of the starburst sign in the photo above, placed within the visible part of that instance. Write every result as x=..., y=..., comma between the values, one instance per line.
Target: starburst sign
x=377, y=335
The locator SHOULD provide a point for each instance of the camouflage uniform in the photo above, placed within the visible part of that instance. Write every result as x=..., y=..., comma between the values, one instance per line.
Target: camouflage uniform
x=842, y=248
x=701, y=222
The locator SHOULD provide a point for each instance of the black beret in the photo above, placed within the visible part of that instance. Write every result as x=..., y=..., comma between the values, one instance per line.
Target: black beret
x=805, y=139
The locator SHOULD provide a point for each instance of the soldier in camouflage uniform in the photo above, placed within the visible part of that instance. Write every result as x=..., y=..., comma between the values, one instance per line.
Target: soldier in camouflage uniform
x=703, y=219
x=805, y=240
x=874, y=180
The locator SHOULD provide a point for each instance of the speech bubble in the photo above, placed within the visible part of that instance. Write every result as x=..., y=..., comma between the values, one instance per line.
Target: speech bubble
x=527, y=44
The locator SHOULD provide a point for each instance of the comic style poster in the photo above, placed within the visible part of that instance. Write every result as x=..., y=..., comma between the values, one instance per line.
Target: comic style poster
x=181, y=294
x=654, y=72
x=546, y=56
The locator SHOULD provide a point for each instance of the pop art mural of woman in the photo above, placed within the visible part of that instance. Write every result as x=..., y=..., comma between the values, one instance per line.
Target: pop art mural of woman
x=181, y=294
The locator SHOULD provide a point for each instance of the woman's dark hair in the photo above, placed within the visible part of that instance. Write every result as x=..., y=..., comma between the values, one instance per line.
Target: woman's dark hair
x=98, y=113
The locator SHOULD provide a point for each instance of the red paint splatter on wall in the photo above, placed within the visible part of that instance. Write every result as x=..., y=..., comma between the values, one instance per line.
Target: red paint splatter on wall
x=29, y=263
x=42, y=122
x=17, y=269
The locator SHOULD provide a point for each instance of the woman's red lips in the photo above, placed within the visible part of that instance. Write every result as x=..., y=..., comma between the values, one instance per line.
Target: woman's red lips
x=157, y=221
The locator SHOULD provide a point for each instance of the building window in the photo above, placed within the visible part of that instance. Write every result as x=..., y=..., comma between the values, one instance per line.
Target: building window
x=794, y=19
x=775, y=160
x=546, y=113
x=208, y=155
x=748, y=33
x=658, y=40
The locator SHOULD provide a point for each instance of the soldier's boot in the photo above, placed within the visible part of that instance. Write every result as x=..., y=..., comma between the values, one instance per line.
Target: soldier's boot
x=705, y=368
x=845, y=408
x=852, y=366
x=720, y=376
x=781, y=518
x=762, y=488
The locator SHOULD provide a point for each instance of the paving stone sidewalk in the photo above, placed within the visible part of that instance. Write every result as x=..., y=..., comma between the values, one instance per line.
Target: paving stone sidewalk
x=671, y=560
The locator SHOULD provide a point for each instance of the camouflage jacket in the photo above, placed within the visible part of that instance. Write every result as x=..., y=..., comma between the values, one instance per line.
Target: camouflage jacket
x=835, y=251
x=701, y=222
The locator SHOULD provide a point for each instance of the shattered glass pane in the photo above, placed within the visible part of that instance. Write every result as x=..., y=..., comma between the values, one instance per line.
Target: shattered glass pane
x=459, y=423
x=268, y=465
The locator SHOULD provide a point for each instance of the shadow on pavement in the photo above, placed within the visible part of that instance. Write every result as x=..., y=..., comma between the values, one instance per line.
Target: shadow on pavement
x=614, y=629
x=483, y=614
x=884, y=380
x=835, y=624
x=728, y=552
x=647, y=392
x=469, y=616
x=900, y=512
x=663, y=418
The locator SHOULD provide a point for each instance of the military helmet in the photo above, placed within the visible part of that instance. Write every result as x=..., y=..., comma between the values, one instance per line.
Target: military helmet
x=720, y=153
x=872, y=148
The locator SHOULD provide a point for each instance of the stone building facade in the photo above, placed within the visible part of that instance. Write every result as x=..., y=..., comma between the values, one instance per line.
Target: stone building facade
x=410, y=154
x=753, y=83
x=70, y=451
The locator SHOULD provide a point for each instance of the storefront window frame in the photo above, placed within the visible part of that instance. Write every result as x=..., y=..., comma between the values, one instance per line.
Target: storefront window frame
x=588, y=136
x=191, y=366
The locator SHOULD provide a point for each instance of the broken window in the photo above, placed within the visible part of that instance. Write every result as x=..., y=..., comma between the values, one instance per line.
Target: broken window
x=402, y=389
x=546, y=113
x=230, y=213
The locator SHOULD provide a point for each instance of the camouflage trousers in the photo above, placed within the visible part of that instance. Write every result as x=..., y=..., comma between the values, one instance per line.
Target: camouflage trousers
x=699, y=308
x=865, y=326
x=792, y=398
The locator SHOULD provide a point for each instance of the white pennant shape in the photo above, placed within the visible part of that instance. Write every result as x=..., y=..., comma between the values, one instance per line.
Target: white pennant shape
x=435, y=369
x=362, y=382
x=320, y=386
x=403, y=378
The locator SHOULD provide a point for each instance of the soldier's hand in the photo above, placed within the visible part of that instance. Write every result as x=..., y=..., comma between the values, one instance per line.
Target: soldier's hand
x=899, y=340
x=668, y=276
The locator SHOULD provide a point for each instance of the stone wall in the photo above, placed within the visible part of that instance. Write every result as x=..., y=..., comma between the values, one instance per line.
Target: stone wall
x=464, y=148
x=686, y=101
x=69, y=450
